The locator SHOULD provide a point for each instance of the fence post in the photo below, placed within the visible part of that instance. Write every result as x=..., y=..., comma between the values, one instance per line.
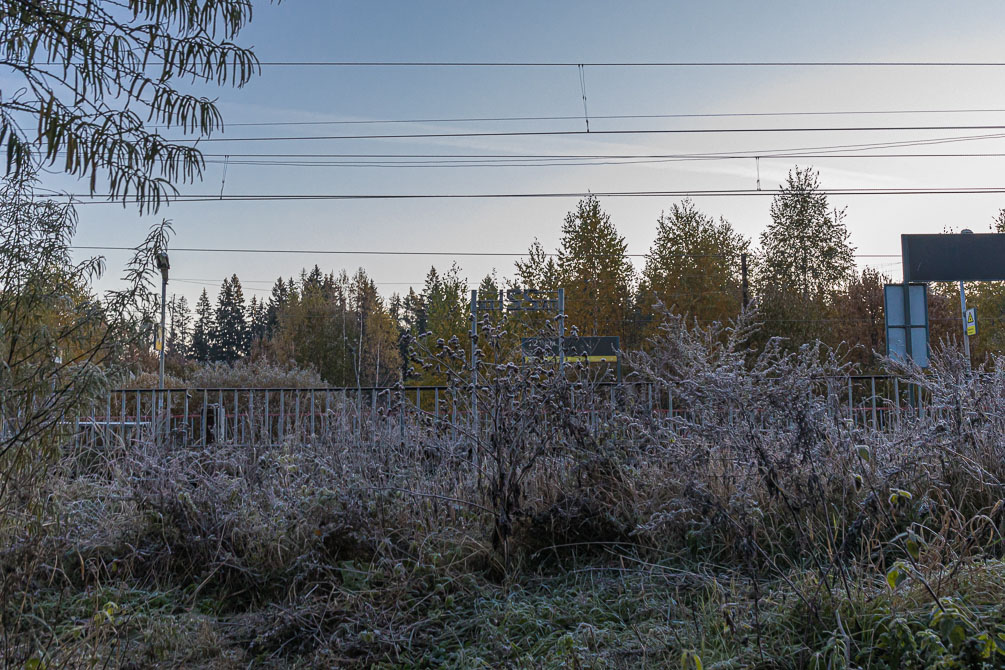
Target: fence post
x=282, y=414
x=851, y=403
x=401, y=417
x=297, y=423
x=875, y=423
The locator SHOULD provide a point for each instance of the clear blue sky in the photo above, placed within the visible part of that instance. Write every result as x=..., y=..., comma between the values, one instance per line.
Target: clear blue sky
x=573, y=32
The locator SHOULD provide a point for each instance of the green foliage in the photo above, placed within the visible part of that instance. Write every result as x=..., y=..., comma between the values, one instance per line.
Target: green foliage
x=693, y=265
x=87, y=75
x=231, y=337
x=205, y=326
x=338, y=326
x=594, y=270
x=805, y=248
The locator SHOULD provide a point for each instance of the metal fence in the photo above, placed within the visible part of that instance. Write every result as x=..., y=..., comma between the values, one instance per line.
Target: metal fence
x=201, y=416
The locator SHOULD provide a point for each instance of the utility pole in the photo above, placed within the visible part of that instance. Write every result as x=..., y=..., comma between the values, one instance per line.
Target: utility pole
x=743, y=280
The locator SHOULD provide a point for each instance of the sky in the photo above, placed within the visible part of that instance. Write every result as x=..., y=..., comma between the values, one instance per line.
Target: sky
x=572, y=32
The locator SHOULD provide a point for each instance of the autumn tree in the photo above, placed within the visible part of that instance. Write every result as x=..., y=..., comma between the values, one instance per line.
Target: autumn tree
x=805, y=248
x=805, y=257
x=595, y=271
x=339, y=326
x=694, y=265
x=538, y=271
x=378, y=361
x=440, y=312
x=857, y=317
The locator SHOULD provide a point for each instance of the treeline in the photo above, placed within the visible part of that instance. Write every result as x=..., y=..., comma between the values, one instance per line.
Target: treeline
x=801, y=277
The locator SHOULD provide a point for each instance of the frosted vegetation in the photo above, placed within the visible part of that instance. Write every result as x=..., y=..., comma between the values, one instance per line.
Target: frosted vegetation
x=760, y=529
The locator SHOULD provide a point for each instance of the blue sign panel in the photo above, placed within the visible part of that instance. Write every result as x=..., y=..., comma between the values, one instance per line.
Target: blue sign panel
x=906, y=311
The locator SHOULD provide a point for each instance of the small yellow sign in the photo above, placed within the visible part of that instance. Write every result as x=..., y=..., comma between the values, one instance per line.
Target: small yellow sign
x=159, y=339
x=971, y=322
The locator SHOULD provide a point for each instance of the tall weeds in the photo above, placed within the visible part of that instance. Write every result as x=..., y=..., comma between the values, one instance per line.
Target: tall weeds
x=751, y=526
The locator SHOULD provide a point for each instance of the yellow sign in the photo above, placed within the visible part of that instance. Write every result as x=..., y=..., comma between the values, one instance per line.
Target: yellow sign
x=159, y=339
x=971, y=322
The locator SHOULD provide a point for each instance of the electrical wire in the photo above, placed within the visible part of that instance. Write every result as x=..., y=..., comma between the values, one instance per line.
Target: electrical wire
x=680, y=64
x=96, y=199
x=467, y=163
x=609, y=117
x=566, y=133
x=385, y=252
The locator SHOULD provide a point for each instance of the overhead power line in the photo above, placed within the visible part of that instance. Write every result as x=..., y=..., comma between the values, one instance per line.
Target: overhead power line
x=750, y=153
x=534, y=162
x=624, y=131
x=386, y=252
x=89, y=199
x=625, y=117
x=681, y=64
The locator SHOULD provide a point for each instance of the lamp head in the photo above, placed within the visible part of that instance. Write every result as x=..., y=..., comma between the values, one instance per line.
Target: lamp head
x=163, y=264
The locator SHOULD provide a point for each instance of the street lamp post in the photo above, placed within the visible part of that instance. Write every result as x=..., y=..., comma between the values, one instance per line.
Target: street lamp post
x=163, y=265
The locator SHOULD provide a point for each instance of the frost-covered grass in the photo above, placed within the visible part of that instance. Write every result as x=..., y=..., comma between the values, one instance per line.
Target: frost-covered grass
x=759, y=530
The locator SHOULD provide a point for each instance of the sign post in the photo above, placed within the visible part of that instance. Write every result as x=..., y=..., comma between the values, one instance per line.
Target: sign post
x=971, y=321
x=474, y=372
x=966, y=325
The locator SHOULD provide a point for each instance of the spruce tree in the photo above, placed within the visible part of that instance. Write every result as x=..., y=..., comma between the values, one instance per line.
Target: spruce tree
x=278, y=299
x=202, y=332
x=257, y=323
x=180, y=329
x=231, y=334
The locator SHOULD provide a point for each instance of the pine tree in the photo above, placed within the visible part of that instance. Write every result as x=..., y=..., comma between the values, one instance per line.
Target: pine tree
x=202, y=332
x=595, y=271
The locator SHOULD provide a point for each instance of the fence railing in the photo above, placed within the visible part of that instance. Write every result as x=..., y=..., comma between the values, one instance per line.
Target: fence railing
x=201, y=416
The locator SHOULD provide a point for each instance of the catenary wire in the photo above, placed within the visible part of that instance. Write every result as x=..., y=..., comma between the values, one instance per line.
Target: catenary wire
x=569, y=133
x=680, y=64
x=104, y=199
x=609, y=117
x=385, y=252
